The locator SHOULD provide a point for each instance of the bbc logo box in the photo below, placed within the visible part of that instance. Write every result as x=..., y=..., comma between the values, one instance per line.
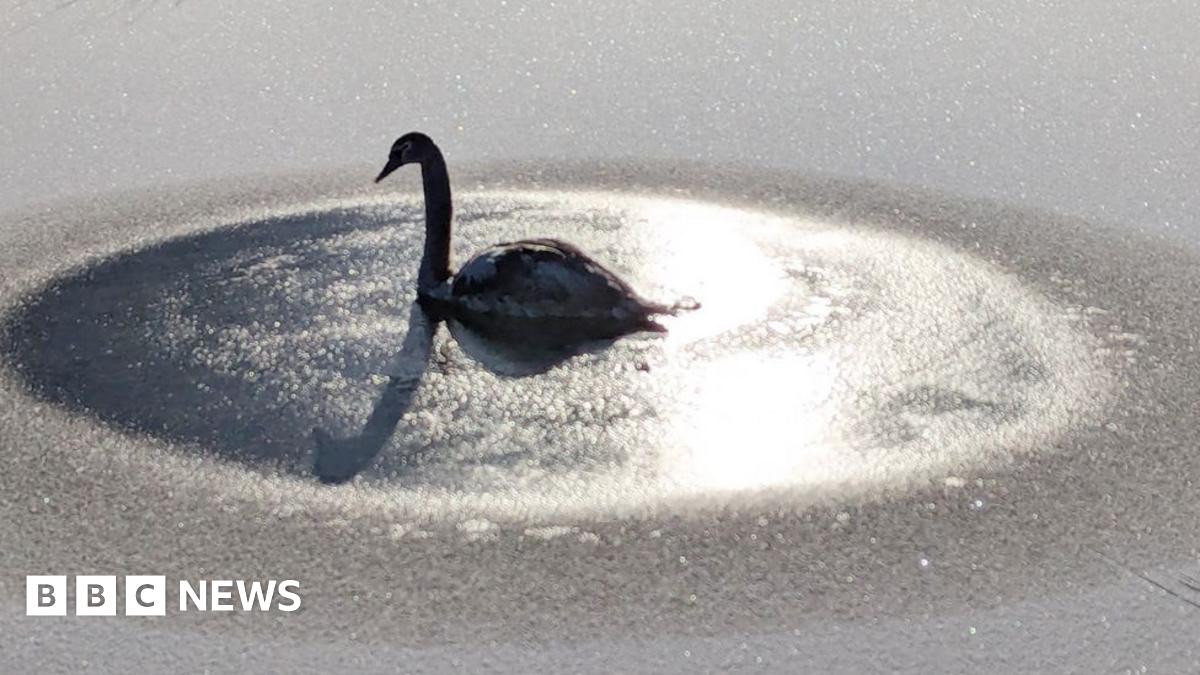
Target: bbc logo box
x=96, y=595
x=146, y=595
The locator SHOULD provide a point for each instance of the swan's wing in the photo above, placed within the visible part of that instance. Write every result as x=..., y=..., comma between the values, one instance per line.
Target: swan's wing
x=543, y=276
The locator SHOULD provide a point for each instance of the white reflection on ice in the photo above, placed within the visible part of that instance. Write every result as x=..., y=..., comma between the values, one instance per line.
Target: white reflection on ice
x=704, y=249
x=755, y=420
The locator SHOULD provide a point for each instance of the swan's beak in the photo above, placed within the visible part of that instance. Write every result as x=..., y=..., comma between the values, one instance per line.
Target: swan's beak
x=391, y=166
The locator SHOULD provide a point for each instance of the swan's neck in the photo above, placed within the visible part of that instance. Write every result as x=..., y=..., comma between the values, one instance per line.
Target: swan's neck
x=435, y=263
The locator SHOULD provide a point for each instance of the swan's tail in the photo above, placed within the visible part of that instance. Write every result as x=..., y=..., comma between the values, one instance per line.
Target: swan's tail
x=684, y=304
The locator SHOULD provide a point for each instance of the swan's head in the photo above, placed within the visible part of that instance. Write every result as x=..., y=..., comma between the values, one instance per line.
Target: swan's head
x=411, y=148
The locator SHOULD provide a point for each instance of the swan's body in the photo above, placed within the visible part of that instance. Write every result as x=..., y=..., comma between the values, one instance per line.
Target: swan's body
x=533, y=287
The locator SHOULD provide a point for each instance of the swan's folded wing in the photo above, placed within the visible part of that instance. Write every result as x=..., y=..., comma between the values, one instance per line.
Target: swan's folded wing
x=539, y=276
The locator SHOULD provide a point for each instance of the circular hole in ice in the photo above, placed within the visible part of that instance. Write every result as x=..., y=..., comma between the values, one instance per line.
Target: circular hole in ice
x=826, y=357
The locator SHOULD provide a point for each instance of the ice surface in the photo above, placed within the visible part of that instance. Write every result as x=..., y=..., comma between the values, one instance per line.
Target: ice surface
x=944, y=401
x=1075, y=106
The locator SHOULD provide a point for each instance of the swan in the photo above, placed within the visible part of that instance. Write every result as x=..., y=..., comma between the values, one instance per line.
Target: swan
x=534, y=289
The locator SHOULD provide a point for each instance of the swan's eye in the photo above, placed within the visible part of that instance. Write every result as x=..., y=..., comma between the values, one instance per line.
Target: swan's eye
x=401, y=149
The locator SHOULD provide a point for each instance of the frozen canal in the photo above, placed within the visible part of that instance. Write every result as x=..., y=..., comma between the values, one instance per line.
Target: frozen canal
x=884, y=401
x=937, y=414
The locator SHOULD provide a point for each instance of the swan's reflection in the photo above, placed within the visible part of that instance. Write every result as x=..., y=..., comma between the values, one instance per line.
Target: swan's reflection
x=509, y=357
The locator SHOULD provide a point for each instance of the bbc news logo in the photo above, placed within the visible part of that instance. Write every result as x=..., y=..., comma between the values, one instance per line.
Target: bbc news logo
x=146, y=595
